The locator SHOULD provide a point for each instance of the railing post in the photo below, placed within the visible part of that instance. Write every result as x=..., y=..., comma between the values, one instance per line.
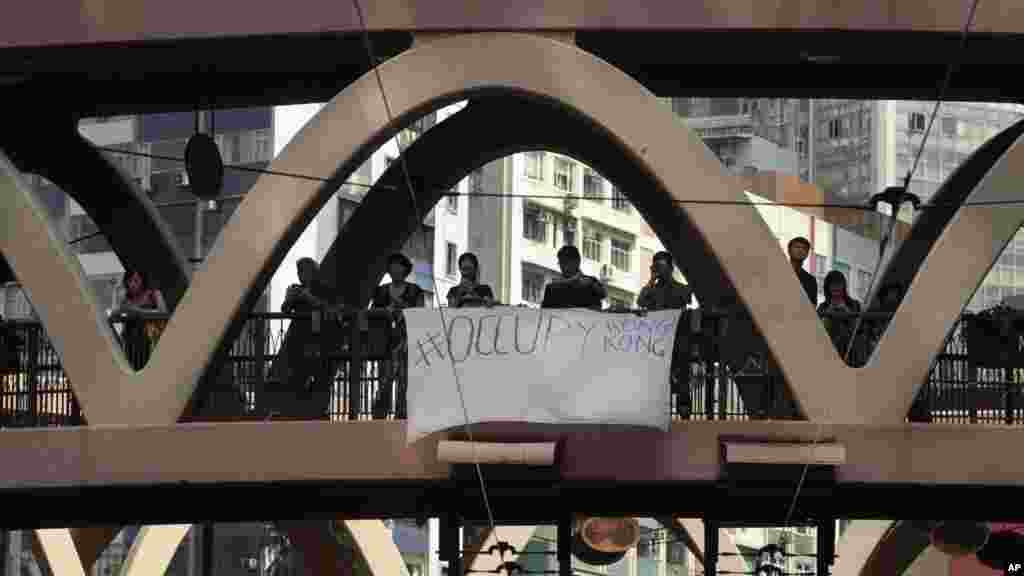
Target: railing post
x=710, y=547
x=826, y=549
x=355, y=364
x=402, y=374
x=451, y=544
x=565, y=545
x=1009, y=387
x=31, y=372
x=260, y=353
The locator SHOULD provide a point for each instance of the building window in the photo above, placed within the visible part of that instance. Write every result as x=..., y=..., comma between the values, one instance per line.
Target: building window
x=949, y=126
x=593, y=185
x=533, y=287
x=563, y=174
x=835, y=128
x=619, y=200
x=535, y=165
x=262, y=146
x=534, y=224
x=916, y=122
x=236, y=148
x=621, y=252
x=592, y=246
x=569, y=233
x=16, y=304
x=452, y=260
x=863, y=282
x=476, y=181
x=453, y=202
x=820, y=265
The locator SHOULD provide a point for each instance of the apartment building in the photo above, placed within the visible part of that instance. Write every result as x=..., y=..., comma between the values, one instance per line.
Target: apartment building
x=524, y=207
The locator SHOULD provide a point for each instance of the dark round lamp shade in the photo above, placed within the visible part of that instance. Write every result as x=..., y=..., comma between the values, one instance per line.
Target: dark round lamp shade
x=204, y=167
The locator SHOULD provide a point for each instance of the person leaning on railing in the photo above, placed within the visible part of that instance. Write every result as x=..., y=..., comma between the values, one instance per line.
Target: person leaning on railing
x=573, y=289
x=396, y=295
x=662, y=292
x=145, y=310
x=839, y=313
x=302, y=349
x=470, y=293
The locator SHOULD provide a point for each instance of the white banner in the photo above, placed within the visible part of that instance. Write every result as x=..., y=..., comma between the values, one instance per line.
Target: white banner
x=530, y=365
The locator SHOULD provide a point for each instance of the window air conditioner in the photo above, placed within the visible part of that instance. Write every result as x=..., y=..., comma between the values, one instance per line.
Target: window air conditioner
x=181, y=179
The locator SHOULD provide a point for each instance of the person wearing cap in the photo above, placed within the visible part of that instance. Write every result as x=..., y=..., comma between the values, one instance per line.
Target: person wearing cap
x=662, y=292
x=573, y=289
x=798, y=249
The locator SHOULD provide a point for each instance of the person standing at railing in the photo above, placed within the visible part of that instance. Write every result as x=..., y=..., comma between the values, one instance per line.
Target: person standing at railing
x=302, y=351
x=839, y=314
x=573, y=289
x=798, y=249
x=470, y=293
x=138, y=300
x=662, y=292
x=889, y=297
x=396, y=295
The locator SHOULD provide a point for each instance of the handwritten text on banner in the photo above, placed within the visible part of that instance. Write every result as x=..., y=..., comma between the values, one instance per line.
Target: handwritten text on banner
x=547, y=366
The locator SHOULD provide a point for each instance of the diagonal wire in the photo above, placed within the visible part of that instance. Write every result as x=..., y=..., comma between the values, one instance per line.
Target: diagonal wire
x=420, y=218
x=886, y=238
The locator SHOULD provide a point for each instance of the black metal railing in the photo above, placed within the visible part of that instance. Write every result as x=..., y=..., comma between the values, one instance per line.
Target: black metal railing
x=979, y=375
x=352, y=366
x=34, y=390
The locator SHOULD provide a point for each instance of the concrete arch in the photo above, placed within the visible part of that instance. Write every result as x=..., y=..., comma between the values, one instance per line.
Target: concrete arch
x=448, y=152
x=713, y=230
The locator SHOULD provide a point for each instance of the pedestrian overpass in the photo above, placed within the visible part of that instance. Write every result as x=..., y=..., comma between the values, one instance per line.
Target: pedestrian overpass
x=588, y=75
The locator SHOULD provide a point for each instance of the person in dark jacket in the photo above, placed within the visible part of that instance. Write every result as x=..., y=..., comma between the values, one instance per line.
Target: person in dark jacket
x=299, y=362
x=799, y=248
x=839, y=312
x=664, y=293
x=573, y=289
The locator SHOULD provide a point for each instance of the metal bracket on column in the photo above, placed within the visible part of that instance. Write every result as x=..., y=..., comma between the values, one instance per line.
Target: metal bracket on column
x=826, y=540
x=565, y=545
x=710, y=547
x=451, y=544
